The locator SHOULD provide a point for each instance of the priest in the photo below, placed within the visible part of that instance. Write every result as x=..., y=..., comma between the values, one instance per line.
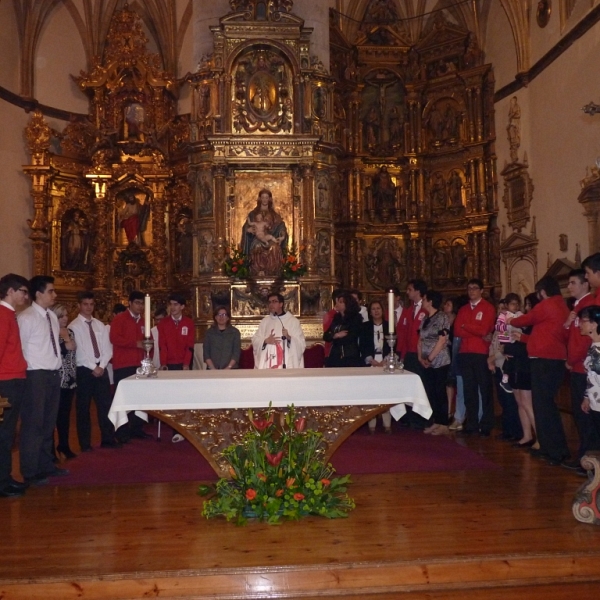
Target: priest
x=279, y=340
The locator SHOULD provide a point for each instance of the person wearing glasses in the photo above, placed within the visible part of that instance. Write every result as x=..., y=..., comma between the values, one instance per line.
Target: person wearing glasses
x=13, y=369
x=222, y=342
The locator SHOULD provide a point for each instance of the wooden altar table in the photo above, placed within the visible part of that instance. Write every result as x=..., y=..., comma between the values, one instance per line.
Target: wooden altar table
x=210, y=408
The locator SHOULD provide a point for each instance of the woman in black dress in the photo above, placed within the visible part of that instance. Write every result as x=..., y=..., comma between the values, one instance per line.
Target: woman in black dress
x=344, y=333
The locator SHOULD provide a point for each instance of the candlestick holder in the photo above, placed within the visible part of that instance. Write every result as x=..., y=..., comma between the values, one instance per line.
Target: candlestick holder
x=147, y=370
x=391, y=363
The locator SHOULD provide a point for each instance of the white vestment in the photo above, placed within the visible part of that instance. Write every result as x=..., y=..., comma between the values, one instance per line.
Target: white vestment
x=289, y=352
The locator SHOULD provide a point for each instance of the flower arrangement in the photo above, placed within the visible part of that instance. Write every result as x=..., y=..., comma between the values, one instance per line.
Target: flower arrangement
x=278, y=472
x=236, y=264
x=291, y=265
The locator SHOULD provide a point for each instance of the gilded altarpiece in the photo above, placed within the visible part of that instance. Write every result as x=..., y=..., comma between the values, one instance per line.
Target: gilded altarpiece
x=262, y=120
x=418, y=174
x=113, y=204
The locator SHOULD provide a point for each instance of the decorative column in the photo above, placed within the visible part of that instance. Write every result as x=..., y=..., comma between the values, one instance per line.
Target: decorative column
x=159, y=237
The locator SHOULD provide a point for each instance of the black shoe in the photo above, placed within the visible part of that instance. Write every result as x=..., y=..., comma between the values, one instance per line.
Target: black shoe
x=556, y=462
x=572, y=465
x=37, y=480
x=484, y=433
x=11, y=491
x=111, y=445
x=524, y=444
x=469, y=431
x=538, y=453
x=141, y=435
x=57, y=473
x=18, y=484
x=67, y=453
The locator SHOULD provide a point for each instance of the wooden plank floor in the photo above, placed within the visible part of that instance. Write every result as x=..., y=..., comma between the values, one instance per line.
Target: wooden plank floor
x=412, y=535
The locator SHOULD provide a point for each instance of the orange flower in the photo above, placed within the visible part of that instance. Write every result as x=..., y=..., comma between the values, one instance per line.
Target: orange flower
x=250, y=494
x=241, y=261
x=290, y=482
x=261, y=476
x=279, y=493
x=298, y=496
x=232, y=472
x=325, y=482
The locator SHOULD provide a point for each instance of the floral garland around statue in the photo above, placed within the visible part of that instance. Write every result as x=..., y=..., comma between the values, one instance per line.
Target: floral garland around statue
x=236, y=264
x=277, y=473
x=292, y=268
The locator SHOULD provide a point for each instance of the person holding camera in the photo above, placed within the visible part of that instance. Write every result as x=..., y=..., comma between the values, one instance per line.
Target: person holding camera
x=433, y=350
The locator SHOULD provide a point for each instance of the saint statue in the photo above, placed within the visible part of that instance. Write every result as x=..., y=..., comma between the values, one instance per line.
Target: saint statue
x=75, y=242
x=264, y=237
x=384, y=190
x=133, y=216
x=514, y=128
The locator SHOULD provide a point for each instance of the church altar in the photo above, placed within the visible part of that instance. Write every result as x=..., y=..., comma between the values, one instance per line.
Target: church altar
x=210, y=408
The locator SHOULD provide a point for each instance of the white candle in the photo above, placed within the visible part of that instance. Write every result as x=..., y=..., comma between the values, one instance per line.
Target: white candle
x=147, y=316
x=391, y=320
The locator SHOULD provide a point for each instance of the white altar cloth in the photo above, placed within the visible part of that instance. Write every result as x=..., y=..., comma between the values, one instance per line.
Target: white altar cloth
x=186, y=390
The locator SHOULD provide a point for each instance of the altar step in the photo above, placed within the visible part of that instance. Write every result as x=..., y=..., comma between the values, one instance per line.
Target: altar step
x=546, y=577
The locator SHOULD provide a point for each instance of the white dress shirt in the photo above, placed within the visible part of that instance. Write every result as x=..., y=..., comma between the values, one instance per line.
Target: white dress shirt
x=85, y=350
x=35, y=338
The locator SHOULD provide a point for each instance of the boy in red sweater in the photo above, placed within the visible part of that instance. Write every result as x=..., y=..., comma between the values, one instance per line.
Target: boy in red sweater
x=176, y=337
x=126, y=336
x=474, y=324
x=547, y=350
x=591, y=266
x=13, y=294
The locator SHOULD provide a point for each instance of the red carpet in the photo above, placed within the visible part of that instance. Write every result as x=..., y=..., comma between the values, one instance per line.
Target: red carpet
x=149, y=461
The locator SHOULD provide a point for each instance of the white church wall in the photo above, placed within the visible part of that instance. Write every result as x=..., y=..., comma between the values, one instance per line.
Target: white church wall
x=500, y=45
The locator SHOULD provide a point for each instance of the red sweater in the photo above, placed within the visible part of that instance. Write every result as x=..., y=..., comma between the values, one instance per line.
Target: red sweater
x=472, y=325
x=125, y=333
x=176, y=342
x=577, y=344
x=407, y=330
x=548, y=338
x=12, y=362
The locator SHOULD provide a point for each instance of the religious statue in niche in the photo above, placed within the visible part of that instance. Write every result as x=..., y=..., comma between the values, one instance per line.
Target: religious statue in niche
x=205, y=193
x=264, y=237
x=204, y=100
x=443, y=124
x=459, y=259
x=320, y=102
x=437, y=193
x=442, y=260
x=455, y=189
x=322, y=204
x=133, y=128
x=133, y=215
x=384, y=263
x=514, y=128
x=323, y=251
x=75, y=241
x=382, y=113
x=383, y=192
x=184, y=241
x=206, y=246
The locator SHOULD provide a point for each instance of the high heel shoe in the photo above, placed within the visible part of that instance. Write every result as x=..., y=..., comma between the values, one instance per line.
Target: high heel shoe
x=67, y=453
x=524, y=444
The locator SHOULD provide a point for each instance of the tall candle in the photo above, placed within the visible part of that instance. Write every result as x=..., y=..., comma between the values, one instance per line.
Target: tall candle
x=391, y=320
x=147, y=316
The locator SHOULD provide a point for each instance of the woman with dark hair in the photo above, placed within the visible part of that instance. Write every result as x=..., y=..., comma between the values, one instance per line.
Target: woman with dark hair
x=373, y=349
x=222, y=342
x=344, y=333
x=434, y=355
x=518, y=368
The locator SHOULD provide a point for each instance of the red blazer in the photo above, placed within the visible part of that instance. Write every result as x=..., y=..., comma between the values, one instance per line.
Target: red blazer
x=125, y=333
x=407, y=330
x=577, y=344
x=548, y=338
x=472, y=325
x=12, y=362
x=327, y=321
x=176, y=342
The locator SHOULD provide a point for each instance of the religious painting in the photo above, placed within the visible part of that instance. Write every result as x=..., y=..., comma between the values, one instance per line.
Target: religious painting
x=322, y=195
x=382, y=113
x=75, y=241
x=384, y=262
x=184, y=254
x=133, y=122
x=133, y=214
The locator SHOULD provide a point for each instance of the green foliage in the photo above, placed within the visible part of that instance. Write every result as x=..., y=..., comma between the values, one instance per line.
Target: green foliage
x=292, y=268
x=236, y=264
x=277, y=472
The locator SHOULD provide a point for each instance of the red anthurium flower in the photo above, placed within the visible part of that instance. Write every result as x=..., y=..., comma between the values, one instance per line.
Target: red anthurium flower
x=290, y=482
x=298, y=496
x=274, y=459
x=325, y=482
x=250, y=494
x=300, y=424
x=279, y=493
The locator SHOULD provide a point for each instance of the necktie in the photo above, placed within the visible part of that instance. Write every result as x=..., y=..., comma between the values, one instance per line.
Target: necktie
x=94, y=340
x=51, y=334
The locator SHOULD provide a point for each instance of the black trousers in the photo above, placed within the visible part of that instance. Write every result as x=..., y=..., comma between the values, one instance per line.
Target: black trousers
x=38, y=420
x=511, y=424
x=434, y=381
x=588, y=438
x=98, y=388
x=477, y=378
x=14, y=391
x=411, y=363
x=546, y=376
x=63, y=418
x=135, y=425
